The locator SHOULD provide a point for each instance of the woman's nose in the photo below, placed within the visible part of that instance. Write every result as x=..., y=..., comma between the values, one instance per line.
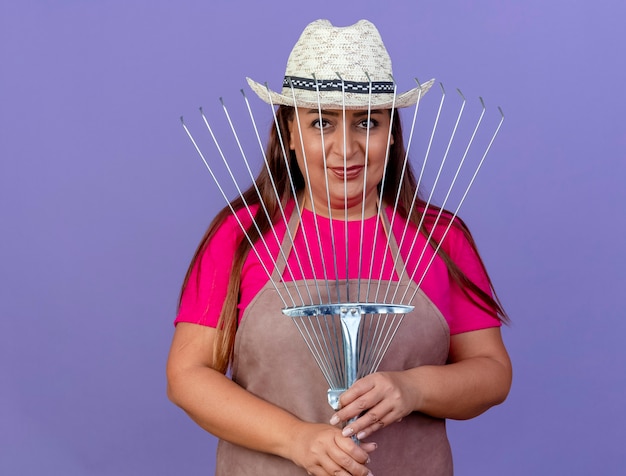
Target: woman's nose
x=346, y=143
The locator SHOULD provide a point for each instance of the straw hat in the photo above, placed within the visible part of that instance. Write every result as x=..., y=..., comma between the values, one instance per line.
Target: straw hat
x=342, y=63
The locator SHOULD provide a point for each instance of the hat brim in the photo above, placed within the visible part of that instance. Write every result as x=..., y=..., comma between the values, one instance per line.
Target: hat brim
x=337, y=99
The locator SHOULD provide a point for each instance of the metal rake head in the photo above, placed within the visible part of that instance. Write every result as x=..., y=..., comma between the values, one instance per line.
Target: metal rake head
x=349, y=322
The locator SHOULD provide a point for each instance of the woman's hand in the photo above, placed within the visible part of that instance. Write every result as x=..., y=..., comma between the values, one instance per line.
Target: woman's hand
x=323, y=451
x=230, y=412
x=477, y=376
x=380, y=398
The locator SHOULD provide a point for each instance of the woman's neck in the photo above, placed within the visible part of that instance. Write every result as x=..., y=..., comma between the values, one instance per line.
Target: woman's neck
x=349, y=211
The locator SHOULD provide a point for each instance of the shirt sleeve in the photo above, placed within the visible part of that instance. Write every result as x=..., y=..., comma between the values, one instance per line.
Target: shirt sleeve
x=205, y=292
x=465, y=315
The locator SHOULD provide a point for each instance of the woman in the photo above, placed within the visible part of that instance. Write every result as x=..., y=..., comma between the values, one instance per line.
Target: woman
x=447, y=361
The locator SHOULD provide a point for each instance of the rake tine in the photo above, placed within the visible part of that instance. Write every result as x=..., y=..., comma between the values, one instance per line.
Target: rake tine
x=403, y=173
x=234, y=213
x=247, y=207
x=421, y=175
x=445, y=200
x=456, y=211
x=367, y=143
x=309, y=340
x=335, y=338
x=276, y=194
x=345, y=185
x=432, y=190
x=262, y=203
x=388, y=332
x=294, y=193
x=330, y=213
x=382, y=188
x=370, y=336
x=308, y=180
x=322, y=341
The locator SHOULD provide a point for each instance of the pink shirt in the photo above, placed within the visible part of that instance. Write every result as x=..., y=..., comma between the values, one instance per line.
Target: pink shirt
x=206, y=291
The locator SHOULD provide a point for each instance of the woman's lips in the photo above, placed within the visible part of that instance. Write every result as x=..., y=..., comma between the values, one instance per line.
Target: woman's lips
x=349, y=173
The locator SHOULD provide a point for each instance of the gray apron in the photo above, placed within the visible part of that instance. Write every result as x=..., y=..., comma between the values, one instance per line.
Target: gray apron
x=272, y=362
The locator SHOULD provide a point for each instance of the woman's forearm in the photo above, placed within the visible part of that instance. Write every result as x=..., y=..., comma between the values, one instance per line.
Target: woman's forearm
x=461, y=390
x=477, y=377
x=230, y=412
x=226, y=410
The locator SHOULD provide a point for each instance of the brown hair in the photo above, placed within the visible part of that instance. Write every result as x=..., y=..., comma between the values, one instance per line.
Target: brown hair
x=287, y=177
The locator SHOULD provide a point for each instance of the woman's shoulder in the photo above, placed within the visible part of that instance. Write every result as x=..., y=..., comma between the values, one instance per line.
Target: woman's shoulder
x=439, y=222
x=232, y=222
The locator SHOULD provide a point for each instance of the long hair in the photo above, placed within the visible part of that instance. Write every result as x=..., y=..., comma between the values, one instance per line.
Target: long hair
x=284, y=181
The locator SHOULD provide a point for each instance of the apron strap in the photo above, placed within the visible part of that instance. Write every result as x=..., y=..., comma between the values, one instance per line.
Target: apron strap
x=286, y=244
x=400, y=266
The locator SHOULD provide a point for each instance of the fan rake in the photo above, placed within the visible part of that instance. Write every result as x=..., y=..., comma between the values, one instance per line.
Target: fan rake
x=348, y=324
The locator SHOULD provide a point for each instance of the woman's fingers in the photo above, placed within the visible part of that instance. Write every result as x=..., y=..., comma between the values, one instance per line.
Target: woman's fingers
x=376, y=401
x=369, y=422
x=351, y=458
x=368, y=446
x=322, y=450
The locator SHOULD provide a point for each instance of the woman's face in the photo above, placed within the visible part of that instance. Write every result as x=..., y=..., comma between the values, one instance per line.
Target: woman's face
x=337, y=162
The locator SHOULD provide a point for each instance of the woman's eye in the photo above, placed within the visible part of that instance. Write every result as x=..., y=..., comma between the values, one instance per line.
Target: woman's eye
x=321, y=123
x=371, y=124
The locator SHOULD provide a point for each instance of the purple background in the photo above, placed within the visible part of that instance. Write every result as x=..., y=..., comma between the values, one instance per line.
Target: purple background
x=103, y=200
